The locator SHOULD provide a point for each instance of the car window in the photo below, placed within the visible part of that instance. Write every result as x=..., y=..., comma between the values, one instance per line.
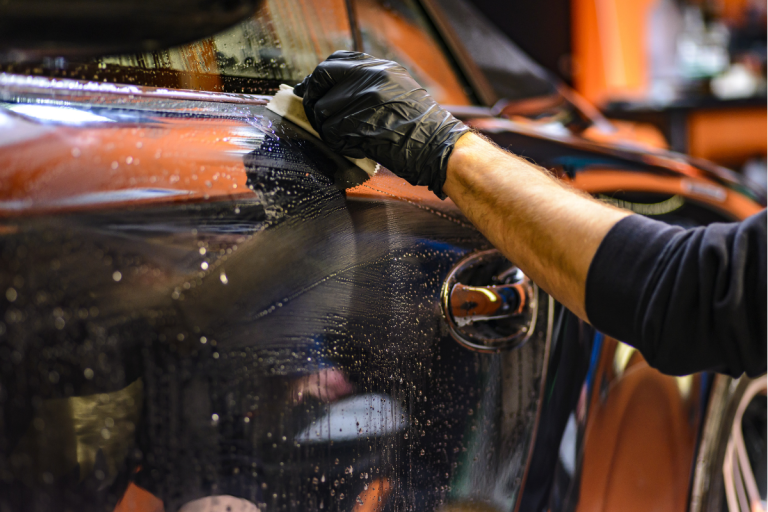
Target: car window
x=399, y=30
x=512, y=74
x=282, y=42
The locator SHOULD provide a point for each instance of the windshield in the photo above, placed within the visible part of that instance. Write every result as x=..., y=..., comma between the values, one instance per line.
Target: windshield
x=399, y=30
x=512, y=74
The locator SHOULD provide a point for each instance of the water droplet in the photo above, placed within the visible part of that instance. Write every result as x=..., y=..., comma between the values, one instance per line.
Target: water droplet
x=117, y=276
x=88, y=373
x=204, y=265
x=11, y=294
x=202, y=251
x=223, y=278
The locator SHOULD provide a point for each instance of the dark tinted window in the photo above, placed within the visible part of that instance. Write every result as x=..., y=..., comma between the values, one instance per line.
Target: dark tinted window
x=511, y=72
x=398, y=30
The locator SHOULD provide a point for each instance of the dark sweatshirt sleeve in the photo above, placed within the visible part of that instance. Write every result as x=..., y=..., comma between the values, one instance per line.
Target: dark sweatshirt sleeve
x=687, y=299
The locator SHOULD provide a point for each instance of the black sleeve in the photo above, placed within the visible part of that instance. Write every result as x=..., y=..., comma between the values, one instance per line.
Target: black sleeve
x=689, y=300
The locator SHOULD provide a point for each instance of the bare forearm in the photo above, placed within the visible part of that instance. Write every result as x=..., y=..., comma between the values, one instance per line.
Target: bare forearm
x=549, y=230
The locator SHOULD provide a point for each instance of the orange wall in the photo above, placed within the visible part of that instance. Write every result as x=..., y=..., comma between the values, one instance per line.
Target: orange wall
x=609, y=51
x=728, y=136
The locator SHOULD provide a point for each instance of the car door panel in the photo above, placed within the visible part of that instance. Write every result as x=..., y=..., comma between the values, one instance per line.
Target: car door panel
x=283, y=343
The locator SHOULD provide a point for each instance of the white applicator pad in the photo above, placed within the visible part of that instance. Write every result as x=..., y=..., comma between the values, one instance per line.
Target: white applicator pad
x=289, y=106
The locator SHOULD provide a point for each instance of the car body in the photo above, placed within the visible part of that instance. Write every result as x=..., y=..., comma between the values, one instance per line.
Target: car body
x=202, y=303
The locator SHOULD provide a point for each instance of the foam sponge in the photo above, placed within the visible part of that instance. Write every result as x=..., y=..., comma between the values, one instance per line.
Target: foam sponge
x=289, y=106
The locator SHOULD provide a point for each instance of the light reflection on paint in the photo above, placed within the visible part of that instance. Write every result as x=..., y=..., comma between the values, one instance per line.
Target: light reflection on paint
x=357, y=417
x=114, y=196
x=64, y=115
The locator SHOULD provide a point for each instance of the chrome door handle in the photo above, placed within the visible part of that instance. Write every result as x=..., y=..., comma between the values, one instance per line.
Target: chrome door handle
x=488, y=303
x=473, y=303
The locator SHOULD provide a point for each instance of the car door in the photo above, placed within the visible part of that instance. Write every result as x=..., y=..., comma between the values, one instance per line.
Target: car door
x=204, y=305
x=615, y=434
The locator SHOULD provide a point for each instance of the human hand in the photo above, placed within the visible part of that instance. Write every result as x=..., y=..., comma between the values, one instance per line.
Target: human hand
x=367, y=107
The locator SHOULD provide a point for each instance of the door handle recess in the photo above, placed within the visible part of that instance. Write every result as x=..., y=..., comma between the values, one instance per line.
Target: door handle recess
x=472, y=303
x=488, y=303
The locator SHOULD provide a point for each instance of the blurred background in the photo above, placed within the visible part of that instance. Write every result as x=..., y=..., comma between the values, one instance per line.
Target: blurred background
x=692, y=69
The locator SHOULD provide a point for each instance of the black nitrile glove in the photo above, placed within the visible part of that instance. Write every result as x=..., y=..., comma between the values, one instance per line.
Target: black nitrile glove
x=362, y=106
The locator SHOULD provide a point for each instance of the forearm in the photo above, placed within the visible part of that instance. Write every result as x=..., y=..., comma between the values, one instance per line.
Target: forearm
x=547, y=229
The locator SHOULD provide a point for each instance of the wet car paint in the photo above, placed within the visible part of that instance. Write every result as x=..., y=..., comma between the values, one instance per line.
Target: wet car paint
x=212, y=343
x=208, y=353
x=315, y=293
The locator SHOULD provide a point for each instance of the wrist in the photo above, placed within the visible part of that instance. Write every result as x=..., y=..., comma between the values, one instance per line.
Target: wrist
x=460, y=161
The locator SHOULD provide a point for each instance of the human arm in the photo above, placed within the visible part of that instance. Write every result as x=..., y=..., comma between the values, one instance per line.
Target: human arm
x=549, y=230
x=363, y=106
x=689, y=300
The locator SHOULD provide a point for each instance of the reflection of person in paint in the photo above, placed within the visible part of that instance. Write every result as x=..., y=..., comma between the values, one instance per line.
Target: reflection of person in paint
x=327, y=385
x=689, y=300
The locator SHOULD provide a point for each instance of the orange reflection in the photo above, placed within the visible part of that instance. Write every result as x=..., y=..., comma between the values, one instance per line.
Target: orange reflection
x=200, y=58
x=74, y=168
x=386, y=184
x=640, y=435
x=638, y=134
x=137, y=499
x=375, y=497
x=606, y=181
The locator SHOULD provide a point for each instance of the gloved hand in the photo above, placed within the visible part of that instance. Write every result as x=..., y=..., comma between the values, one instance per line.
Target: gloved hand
x=367, y=107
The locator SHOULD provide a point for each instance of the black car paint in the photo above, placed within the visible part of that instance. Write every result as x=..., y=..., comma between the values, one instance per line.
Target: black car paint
x=314, y=281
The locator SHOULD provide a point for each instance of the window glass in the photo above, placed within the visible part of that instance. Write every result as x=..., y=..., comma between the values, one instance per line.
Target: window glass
x=398, y=30
x=282, y=42
x=512, y=74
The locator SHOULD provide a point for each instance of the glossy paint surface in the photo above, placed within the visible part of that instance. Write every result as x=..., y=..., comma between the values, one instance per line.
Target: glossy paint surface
x=203, y=308
x=279, y=341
